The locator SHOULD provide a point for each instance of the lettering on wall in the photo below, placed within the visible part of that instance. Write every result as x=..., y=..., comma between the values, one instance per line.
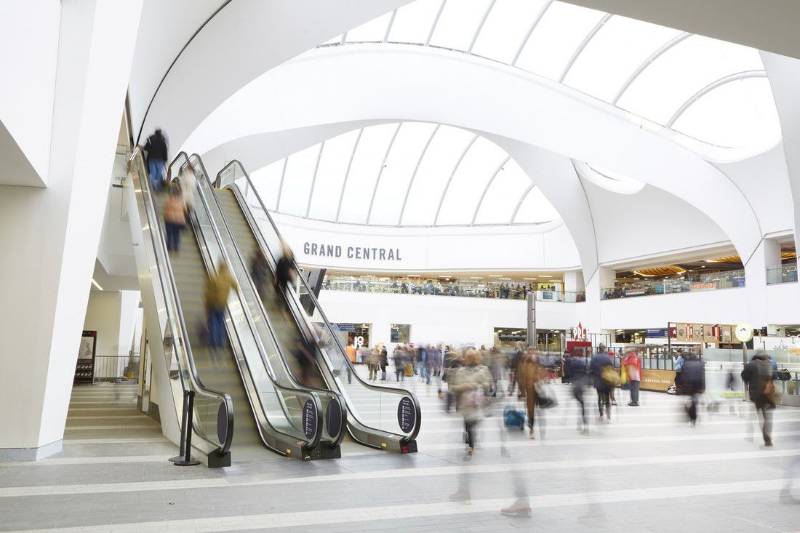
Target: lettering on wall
x=364, y=253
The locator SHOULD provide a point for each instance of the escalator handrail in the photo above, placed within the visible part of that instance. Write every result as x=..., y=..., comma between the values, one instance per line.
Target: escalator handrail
x=309, y=443
x=418, y=418
x=278, y=346
x=157, y=236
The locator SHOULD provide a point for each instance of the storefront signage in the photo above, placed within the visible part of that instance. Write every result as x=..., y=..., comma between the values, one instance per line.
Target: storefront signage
x=406, y=414
x=657, y=380
x=309, y=419
x=656, y=333
x=320, y=249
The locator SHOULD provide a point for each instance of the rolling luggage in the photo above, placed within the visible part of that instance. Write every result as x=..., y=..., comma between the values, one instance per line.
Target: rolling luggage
x=513, y=418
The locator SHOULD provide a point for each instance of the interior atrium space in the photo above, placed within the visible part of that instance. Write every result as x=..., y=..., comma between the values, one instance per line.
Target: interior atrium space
x=399, y=265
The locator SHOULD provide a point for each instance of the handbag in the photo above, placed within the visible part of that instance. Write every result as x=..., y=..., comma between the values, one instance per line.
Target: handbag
x=609, y=376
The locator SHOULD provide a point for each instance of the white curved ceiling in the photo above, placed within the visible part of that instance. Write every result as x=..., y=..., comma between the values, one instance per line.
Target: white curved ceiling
x=404, y=174
x=709, y=90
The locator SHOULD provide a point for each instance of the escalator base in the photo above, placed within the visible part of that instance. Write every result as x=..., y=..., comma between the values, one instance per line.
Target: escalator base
x=324, y=452
x=410, y=447
x=219, y=460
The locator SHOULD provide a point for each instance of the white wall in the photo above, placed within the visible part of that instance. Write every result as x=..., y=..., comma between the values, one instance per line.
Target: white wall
x=548, y=247
x=54, y=232
x=29, y=33
x=440, y=318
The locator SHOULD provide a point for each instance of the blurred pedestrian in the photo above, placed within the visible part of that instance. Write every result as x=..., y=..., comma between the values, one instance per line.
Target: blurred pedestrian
x=512, y=368
x=693, y=384
x=188, y=183
x=757, y=374
x=156, y=150
x=471, y=386
x=218, y=287
x=285, y=270
x=528, y=370
x=259, y=272
x=398, y=356
x=577, y=374
x=373, y=361
x=603, y=376
x=174, y=218
x=633, y=369
x=384, y=361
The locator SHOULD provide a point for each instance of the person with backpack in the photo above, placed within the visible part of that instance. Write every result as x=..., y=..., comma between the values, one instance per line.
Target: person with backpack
x=757, y=375
x=602, y=370
x=156, y=150
x=693, y=384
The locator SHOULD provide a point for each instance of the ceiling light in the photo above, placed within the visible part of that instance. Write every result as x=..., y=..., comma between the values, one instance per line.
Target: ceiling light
x=545, y=276
x=494, y=275
x=96, y=284
x=475, y=277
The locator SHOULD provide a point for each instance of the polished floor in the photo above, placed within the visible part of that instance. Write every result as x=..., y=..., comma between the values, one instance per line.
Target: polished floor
x=647, y=470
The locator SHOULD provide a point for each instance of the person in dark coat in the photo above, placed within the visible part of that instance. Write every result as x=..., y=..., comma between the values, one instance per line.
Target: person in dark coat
x=575, y=368
x=156, y=150
x=757, y=374
x=693, y=384
x=259, y=272
x=600, y=361
x=285, y=272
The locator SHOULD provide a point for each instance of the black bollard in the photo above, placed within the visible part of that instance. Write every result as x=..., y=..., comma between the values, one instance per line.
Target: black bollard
x=186, y=439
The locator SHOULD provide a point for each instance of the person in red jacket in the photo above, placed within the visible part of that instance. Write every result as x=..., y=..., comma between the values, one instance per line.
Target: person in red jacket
x=633, y=367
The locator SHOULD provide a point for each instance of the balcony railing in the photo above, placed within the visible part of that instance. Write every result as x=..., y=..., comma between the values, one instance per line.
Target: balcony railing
x=783, y=274
x=698, y=283
x=464, y=290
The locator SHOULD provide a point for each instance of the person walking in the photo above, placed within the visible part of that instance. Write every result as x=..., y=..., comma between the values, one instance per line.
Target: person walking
x=218, y=287
x=757, y=375
x=528, y=371
x=285, y=272
x=602, y=368
x=693, y=384
x=156, y=150
x=259, y=272
x=471, y=386
x=398, y=356
x=384, y=361
x=188, y=183
x=576, y=373
x=633, y=369
x=174, y=218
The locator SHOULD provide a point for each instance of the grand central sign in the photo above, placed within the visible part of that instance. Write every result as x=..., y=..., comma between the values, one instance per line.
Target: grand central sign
x=319, y=249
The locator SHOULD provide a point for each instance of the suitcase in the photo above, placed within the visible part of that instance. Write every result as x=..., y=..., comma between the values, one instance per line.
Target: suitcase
x=513, y=418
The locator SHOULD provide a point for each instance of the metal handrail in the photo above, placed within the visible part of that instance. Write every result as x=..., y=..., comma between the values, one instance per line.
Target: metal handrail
x=391, y=390
x=262, y=350
x=178, y=324
x=309, y=443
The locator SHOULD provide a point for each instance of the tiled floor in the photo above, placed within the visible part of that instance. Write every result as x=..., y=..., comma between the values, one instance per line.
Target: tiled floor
x=645, y=471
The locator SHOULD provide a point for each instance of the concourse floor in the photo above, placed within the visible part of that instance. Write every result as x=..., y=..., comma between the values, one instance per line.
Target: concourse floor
x=646, y=470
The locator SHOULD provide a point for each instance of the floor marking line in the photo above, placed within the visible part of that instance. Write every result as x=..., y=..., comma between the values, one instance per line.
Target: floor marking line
x=420, y=510
x=396, y=473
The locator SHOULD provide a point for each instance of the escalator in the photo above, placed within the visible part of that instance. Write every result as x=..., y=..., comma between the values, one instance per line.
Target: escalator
x=378, y=416
x=230, y=383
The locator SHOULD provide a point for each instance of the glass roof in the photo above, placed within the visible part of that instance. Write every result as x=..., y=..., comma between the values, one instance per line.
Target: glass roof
x=404, y=174
x=708, y=90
